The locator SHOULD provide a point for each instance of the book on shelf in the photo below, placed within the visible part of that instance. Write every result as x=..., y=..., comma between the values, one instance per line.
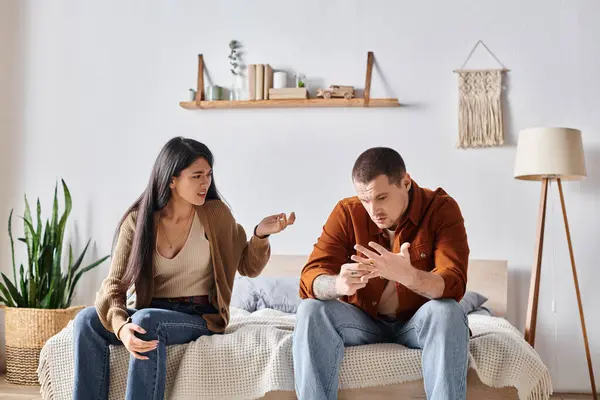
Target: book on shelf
x=288, y=98
x=260, y=81
x=268, y=81
x=288, y=93
x=252, y=82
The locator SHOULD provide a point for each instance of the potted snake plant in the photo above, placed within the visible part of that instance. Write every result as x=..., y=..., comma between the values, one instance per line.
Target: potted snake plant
x=37, y=300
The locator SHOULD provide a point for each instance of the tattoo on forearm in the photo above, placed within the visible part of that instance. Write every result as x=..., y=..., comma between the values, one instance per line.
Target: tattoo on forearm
x=422, y=293
x=423, y=286
x=324, y=287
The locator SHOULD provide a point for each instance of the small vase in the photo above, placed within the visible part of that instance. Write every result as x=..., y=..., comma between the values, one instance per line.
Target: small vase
x=235, y=90
x=214, y=93
x=234, y=93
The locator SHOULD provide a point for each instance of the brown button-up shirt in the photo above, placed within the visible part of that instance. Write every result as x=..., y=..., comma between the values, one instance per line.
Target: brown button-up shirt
x=432, y=224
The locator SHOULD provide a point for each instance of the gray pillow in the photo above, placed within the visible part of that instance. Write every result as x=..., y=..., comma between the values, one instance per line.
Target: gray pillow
x=278, y=293
x=281, y=293
x=472, y=302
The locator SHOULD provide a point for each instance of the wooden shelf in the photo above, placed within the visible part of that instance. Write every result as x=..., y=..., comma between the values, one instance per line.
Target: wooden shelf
x=291, y=103
x=366, y=101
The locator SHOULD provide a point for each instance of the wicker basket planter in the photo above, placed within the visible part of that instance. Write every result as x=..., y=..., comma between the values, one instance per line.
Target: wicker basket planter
x=27, y=330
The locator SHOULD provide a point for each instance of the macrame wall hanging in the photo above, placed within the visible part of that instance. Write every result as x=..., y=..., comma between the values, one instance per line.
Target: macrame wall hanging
x=480, y=115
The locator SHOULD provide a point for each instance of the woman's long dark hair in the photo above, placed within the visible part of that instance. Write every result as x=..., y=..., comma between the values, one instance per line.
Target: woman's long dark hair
x=176, y=155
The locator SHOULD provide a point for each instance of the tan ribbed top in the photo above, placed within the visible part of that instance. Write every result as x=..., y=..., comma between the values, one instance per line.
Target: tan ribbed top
x=189, y=273
x=388, y=304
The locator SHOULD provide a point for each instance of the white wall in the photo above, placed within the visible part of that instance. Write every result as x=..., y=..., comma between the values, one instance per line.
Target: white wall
x=90, y=91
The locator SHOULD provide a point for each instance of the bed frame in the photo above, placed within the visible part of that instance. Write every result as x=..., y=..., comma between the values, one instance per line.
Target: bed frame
x=488, y=277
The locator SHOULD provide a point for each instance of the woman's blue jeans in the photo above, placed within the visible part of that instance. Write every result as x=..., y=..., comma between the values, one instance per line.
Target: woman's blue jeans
x=165, y=321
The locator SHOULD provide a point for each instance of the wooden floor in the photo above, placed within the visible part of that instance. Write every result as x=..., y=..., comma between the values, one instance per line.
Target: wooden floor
x=16, y=392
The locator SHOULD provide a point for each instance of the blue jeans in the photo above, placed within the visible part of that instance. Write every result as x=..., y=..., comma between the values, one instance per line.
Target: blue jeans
x=323, y=328
x=169, y=323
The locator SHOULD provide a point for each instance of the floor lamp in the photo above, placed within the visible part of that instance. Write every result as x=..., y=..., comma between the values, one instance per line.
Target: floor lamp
x=546, y=155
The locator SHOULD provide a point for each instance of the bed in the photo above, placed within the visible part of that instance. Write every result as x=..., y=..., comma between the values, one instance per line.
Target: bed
x=253, y=360
x=488, y=277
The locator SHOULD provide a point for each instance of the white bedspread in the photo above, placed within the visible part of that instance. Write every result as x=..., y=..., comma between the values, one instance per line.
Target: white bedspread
x=255, y=357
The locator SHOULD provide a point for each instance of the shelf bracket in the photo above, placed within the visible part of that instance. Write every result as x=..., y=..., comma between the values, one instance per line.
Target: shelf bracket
x=367, y=93
x=200, y=85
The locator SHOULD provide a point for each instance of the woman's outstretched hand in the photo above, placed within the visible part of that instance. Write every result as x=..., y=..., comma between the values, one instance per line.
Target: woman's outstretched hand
x=274, y=224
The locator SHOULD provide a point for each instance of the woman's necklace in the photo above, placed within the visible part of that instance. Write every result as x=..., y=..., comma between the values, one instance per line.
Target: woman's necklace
x=178, y=237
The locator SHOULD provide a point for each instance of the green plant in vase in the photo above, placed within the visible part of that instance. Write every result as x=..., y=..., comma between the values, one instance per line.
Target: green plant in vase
x=38, y=300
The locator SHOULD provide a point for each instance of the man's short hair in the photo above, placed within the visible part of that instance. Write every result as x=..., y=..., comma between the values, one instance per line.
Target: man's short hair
x=379, y=161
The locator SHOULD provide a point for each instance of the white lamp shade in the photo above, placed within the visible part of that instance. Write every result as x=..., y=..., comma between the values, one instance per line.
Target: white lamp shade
x=550, y=153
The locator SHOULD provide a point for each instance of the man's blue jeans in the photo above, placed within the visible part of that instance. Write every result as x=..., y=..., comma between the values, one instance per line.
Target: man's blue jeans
x=324, y=328
x=169, y=323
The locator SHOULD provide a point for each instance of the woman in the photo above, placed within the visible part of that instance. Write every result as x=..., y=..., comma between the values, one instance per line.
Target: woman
x=181, y=247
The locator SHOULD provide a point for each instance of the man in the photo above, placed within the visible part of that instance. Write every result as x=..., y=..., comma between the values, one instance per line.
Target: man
x=396, y=256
